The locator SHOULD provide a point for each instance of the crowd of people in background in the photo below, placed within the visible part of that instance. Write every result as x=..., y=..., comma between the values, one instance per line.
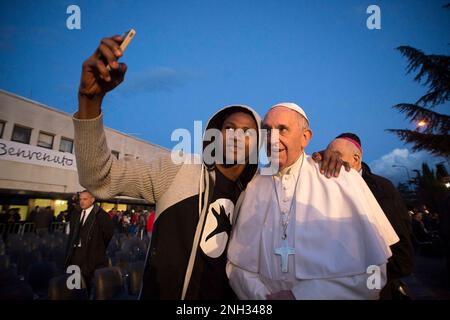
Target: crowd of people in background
x=426, y=228
x=131, y=222
x=36, y=251
x=10, y=216
x=426, y=233
x=425, y=224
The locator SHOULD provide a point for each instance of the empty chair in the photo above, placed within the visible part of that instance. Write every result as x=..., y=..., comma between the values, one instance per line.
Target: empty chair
x=26, y=259
x=108, y=283
x=4, y=262
x=14, y=241
x=2, y=248
x=14, y=254
x=8, y=276
x=47, y=244
x=59, y=242
x=113, y=247
x=59, y=290
x=39, y=276
x=122, y=237
x=138, y=254
x=16, y=291
x=58, y=255
x=130, y=243
x=135, y=273
x=123, y=255
x=122, y=260
x=43, y=243
x=12, y=288
x=31, y=241
x=144, y=243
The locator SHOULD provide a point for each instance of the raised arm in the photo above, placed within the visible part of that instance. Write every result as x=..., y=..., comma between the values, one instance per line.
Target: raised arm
x=100, y=172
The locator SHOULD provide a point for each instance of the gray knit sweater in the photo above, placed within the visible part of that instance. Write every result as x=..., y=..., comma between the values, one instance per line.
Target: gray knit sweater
x=105, y=176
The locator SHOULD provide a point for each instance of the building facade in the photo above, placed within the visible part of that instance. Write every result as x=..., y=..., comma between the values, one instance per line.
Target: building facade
x=37, y=160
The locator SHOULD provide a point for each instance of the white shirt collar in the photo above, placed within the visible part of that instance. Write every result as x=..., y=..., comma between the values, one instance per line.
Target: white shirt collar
x=293, y=169
x=88, y=211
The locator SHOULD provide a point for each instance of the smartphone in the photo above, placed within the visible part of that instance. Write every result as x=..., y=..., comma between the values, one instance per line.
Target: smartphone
x=127, y=37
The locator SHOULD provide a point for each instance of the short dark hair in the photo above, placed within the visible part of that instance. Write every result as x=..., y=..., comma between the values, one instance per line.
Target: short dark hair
x=351, y=136
x=86, y=191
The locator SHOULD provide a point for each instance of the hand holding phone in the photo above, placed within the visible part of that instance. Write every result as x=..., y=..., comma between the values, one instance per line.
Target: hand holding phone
x=101, y=72
x=127, y=37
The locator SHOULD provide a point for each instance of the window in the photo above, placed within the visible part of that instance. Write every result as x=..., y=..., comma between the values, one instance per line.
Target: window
x=21, y=134
x=2, y=128
x=66, y=145
x=115, y=154
x=45, y=140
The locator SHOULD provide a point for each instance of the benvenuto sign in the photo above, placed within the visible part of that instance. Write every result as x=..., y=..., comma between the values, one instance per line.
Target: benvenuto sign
x=14, y=151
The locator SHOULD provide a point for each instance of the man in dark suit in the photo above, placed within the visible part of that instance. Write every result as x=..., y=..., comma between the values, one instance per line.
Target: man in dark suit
x=91, y=230
x=347, y=147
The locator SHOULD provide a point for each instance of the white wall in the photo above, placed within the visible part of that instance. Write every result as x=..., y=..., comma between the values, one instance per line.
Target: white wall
x=24, y=176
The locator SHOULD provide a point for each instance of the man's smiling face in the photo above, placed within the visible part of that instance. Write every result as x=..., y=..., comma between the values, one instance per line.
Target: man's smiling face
x=294, y=136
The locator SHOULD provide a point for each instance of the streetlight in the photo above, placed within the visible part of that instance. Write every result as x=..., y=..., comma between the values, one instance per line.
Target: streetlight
x=446, y=181
x=422, y=123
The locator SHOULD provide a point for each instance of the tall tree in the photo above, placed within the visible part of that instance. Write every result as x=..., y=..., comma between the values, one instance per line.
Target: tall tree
x=429, y=187
x=433, y=71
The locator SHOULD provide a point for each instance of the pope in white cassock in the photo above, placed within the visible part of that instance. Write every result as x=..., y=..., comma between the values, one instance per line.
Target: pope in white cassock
x=300, y=235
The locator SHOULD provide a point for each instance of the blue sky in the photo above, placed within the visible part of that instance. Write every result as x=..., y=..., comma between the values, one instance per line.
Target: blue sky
x=189, y=58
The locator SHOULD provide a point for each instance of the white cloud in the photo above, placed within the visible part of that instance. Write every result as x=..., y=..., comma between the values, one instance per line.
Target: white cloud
x=157, y=79
x=402, y=157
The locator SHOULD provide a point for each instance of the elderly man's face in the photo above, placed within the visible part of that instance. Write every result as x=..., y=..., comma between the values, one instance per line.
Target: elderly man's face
x=292, y=137
x=86, y=200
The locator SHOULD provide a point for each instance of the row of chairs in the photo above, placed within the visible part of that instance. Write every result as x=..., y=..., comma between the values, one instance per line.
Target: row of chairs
x=44, y=282
x=128, y=255
x=109, y=284
x=27, y=263
x=28, y=249
x=18, y=228
x=34, y=264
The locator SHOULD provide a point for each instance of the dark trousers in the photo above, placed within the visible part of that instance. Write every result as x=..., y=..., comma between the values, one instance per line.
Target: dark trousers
x=79, y=259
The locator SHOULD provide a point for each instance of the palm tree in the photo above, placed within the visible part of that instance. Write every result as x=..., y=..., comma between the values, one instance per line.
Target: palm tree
x=429, y=187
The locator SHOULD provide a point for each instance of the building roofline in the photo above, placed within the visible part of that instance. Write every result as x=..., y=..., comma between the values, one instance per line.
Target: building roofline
x=39, y=104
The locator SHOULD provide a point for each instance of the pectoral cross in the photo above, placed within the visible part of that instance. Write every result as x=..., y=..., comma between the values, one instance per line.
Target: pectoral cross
x=284, y=251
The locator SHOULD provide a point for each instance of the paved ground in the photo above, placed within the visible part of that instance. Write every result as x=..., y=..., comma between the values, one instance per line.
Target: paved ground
x=429, y=280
